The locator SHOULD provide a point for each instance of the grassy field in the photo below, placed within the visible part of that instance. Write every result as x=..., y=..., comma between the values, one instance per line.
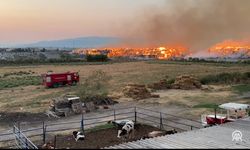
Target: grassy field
x=22, y=93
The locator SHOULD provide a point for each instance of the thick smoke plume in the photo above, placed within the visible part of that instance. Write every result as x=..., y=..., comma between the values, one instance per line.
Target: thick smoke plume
x=197, y=24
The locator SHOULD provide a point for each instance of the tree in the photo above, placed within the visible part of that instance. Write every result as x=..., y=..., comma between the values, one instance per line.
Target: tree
x=95, y=85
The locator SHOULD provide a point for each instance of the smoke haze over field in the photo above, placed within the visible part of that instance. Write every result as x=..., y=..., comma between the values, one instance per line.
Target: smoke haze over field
x=198, y=24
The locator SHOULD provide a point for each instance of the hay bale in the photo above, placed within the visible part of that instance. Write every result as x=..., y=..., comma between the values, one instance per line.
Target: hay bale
x=136, y=91
x=186, y=82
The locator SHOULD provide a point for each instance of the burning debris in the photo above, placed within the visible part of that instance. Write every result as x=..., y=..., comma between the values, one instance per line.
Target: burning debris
x=138, y=92
x=231, y=48
x=186, y=82
x=157, y=53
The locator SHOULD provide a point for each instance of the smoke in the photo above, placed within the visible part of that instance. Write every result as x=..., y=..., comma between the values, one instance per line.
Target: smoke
x=197, y=24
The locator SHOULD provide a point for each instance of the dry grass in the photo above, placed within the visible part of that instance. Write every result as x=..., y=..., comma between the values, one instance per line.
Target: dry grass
x=36, y=98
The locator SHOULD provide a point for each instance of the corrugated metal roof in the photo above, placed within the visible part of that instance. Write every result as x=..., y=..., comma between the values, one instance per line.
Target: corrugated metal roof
x=212, y=137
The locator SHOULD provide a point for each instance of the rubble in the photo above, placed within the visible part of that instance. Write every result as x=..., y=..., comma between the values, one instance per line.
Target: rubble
x=186, y=82
x=70, y=104
x=66, y=105
x=137, y=91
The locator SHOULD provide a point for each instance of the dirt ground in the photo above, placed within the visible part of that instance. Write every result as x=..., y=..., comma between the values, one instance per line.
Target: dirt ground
x=36, y=99
x=101, y=138
x=32, y=101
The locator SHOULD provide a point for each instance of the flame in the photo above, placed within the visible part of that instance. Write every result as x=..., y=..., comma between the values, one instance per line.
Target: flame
x=230, y=47
x=159, y=52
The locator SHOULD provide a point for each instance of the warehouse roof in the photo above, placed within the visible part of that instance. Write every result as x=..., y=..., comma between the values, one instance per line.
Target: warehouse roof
x=212, y=137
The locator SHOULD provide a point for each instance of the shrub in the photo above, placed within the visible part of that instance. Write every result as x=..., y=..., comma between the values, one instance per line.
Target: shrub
x=95, y=85
x=227, y=78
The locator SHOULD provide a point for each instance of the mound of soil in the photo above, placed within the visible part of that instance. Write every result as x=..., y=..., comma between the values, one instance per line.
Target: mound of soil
x=137, y=92
x=101, y=138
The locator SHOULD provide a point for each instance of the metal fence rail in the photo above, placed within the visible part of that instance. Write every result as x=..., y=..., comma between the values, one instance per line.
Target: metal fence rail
x=137, y=114
x=22, y=141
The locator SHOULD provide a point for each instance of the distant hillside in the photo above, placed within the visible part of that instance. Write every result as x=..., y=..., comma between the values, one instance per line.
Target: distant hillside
x=83, y=42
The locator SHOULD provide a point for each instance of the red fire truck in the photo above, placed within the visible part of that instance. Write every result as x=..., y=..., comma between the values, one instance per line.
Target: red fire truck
x=58, y=79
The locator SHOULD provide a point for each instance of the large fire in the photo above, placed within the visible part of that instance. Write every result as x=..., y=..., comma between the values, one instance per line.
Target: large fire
x=159, y=53
x=229, y=48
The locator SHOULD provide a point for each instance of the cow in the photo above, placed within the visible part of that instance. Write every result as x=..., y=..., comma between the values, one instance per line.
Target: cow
x=78, y=136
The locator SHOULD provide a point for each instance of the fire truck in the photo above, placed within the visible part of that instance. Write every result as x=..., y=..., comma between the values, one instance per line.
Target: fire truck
x=59, y=79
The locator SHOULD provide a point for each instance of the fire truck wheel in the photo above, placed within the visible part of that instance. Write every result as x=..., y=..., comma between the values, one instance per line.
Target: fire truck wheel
x=74, y=83
x=55, y=85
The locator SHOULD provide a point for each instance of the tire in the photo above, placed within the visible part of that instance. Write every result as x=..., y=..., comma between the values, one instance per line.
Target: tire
x=73, y=83
x=55, y=85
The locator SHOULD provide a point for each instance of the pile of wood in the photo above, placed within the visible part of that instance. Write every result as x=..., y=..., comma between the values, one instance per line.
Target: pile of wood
x=186, y=82
x=137, y=92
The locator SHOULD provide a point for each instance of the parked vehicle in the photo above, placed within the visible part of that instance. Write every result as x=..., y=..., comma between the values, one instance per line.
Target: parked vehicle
x=59, y=79
x=234, y=111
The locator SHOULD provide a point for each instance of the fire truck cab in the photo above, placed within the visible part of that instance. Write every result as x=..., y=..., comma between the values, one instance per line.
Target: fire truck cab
x=59, y=79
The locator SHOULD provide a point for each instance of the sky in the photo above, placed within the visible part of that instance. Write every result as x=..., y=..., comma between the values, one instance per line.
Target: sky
x=23, y=21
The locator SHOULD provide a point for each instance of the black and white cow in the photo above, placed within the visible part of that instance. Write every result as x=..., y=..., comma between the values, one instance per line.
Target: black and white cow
x=78, y=135
x=119, y=123
x=127, y=130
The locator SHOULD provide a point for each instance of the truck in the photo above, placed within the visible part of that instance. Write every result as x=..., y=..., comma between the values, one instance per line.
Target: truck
x=53, y=80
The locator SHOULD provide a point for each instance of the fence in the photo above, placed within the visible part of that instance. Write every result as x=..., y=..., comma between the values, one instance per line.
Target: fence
x=22, y=141
x=158, y=119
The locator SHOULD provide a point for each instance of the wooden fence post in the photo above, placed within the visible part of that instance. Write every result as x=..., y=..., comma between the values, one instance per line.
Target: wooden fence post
x=161, y=125
x=55, y=142
x=114, y=114
x=191, y=127
x=135, y=116
x=82, y=123
x=43, y=133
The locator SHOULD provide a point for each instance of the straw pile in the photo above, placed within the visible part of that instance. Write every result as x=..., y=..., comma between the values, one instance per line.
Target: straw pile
x=186, y=82
x=137, y=92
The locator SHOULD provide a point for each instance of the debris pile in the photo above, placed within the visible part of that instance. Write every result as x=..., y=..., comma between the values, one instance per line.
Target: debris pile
x=101, y=100
x=137, y=92
x=66, y=105
x=70, y=104
x=186, y=82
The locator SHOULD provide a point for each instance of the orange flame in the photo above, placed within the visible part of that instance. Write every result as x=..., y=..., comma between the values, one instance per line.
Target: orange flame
x=159, y=53
x=230, y=47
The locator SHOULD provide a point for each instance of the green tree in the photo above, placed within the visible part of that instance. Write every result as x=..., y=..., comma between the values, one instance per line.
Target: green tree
x=95, y=85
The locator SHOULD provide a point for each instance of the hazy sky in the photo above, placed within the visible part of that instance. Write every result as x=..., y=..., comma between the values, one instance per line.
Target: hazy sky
x=34, y=20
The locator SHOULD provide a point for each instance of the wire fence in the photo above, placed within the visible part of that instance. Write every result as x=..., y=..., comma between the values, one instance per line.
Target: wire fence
x=158, y=119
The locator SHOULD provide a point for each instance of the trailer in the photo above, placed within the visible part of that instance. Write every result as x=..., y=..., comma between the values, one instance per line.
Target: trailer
x=60, y=79
x=234, y=111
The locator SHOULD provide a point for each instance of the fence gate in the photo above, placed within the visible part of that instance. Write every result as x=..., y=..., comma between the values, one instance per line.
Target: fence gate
x=22, y=142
